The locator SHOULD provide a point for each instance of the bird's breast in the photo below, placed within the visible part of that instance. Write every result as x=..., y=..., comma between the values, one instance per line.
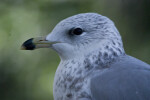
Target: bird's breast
x=71, y=82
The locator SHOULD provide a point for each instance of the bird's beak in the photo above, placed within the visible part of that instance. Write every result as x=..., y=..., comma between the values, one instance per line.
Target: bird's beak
x=35, y=43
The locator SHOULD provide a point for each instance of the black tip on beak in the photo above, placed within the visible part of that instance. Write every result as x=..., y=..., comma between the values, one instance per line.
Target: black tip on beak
x=28, y=45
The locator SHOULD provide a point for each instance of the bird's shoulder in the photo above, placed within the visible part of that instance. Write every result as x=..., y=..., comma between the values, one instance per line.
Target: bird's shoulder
x=126, y=79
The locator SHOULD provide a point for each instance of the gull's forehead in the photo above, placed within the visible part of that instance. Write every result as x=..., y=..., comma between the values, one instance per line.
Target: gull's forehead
x=85, y=18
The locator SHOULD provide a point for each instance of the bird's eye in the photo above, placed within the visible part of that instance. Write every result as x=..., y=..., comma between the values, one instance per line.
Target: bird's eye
x=77, y=31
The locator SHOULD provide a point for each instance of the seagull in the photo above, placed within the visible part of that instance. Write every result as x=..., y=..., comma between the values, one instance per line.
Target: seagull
x=94, y=65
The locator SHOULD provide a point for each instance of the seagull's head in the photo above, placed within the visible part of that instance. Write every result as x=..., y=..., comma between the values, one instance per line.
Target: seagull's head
x=79, y=35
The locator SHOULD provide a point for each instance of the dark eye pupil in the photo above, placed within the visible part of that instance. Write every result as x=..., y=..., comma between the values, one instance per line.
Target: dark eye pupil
x=77, y=31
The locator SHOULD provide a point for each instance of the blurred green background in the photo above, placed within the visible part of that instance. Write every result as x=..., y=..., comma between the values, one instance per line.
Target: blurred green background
x=28, y=75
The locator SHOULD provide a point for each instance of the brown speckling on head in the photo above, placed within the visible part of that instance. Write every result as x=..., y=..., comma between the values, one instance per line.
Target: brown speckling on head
x=83, y=56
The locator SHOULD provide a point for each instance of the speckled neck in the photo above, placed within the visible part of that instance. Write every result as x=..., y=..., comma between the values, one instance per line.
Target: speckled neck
x=73, y=75
x=105, y=55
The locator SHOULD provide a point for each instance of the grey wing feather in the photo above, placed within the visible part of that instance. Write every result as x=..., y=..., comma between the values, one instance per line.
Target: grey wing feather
x=127, y=79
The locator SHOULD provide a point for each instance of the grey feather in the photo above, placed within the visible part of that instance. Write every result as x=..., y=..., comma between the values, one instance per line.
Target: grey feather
x=94, y=65
x=127, y=79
